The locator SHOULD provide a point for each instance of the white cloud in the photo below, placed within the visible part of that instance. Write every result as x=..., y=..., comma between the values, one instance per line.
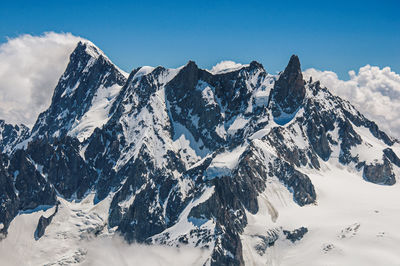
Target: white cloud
x=114, y=251
x=102, y=251
x=373, y=91
x=30, y=67
x=225, y=66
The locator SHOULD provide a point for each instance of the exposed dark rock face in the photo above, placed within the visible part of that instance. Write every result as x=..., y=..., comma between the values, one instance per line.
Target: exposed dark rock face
x=266, y=241
x=250, y=177
x=299, y=183
x=295, y=235
x=180, y=93
x=318, y=139
x=64, y=167
x=350, y=139
x=380, y=173
x=273, y=235
x=229, y=214
x=43, y=223
x=389, y=153
x=291, y=153
x=11, y=135
x=32, y=186
x=102, y=152
x=22, y=188
x=9, y=202
x=220, y=98
x=233, y=195
x=289, y=90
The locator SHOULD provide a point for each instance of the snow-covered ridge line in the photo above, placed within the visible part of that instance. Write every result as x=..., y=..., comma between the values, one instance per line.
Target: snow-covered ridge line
x=221, y=68
x=96, y=52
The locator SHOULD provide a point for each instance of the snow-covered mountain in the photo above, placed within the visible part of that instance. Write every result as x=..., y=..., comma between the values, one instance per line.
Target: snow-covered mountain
x=244, y=165
x=83, y=96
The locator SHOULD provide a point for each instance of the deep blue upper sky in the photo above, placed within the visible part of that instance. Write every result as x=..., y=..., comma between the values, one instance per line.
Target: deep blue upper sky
x=328, y=35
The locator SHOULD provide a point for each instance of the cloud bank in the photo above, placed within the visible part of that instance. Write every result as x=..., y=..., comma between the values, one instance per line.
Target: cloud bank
x=30, y=67
x=375, y=92
x=114, y=251
x=102, y=252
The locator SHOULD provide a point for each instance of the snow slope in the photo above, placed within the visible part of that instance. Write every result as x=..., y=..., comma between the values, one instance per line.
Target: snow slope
x=70, y=240
x=97, y=115
x=353, y=223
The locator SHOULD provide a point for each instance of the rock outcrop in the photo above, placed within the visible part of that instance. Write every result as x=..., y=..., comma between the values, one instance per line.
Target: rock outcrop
x=289, y=89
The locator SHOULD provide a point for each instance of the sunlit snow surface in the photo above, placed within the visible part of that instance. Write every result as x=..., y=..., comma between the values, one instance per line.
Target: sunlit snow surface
x=353, y=223
x=98, y=114
x=69, y=240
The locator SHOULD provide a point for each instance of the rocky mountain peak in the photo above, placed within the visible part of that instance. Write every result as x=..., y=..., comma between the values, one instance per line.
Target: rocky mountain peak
x=293, y=65
x=88, y=48
x=190, y=69
x=256, y=65
x=76, y=98
x=191, y=63
x=187, y=78
x=289, y=89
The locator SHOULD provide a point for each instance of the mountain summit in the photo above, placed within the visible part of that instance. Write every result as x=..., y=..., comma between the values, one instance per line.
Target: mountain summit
x=289, y=90
x=230, y=162
x=83, y=95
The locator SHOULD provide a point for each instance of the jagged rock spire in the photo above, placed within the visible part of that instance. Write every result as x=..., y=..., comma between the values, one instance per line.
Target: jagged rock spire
x=289, y=90
x=255, y=65
x=186, y=78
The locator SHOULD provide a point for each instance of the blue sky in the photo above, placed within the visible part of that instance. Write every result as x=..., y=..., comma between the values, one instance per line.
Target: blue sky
x=327, y=35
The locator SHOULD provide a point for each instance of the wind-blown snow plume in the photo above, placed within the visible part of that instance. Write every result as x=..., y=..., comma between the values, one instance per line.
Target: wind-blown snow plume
x=374, y=91
x=225, y=66
x=30, y=67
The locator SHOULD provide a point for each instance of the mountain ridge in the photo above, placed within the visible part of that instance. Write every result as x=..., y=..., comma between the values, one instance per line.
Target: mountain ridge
x=183, y=155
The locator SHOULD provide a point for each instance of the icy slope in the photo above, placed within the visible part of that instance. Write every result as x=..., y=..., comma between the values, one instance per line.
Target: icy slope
x=65, y=239
x=78, y=235
x=353, y=223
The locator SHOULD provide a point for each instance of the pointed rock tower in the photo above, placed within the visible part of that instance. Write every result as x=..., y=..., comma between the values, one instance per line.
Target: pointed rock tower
x=289, y=90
